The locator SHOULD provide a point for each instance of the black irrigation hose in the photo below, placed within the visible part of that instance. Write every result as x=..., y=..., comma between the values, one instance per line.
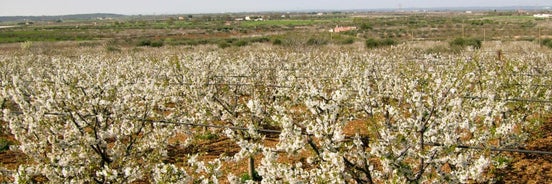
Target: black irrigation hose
x=509, y=99
x=496, y=149
x=209, y=126
x=347, y=137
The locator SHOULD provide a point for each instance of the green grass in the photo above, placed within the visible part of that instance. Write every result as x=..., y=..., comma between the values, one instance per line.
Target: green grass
x=14, y=36
x=292, y=22
x=245, y=177
x=5, y=144
x=208, y=136
x=278, y=23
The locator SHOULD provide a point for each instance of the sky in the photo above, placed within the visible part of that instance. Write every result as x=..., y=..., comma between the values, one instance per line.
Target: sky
x=135, y=7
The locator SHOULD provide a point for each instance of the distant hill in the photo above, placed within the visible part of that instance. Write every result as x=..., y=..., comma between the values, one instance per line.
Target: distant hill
x=110, y=15
x=59, y=17
x=498, y=8
x=481, y=8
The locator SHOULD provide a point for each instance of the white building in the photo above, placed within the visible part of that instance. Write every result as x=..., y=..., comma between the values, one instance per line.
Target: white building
x=338, y=29
x=542, y=16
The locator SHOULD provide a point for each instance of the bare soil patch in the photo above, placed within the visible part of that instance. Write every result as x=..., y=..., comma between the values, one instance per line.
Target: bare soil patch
x=531, y=168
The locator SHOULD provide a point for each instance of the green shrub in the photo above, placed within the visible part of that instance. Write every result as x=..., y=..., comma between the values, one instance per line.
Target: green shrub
x=366, y=26
x=547, y=42
x=245, y=177
x=350, y=33
x=223, y=45
x=388, y=42
x=5, y=144
x=348, y=41
x=241, y=43
x=464, y=42
x=528, y=24
x=277, y=41
x=149, y=43
x=440, y=49
x=157, y=43
x=231, y=40
x=144, y=43
x=317, y=41
x=203, y=42
x=476, y=43
x=375, y=43
x=458, y=42
x=112, y=48
x=208, y=136
x=88, y=44
x=372, y=43
x=260, y=40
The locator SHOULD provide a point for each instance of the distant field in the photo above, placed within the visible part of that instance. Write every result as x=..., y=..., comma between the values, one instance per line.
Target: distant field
x=2, y=27
x=512, y=18
x=225, y=28
x=292, y=22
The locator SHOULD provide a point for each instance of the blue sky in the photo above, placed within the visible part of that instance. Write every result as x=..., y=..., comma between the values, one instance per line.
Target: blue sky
x=59, y=7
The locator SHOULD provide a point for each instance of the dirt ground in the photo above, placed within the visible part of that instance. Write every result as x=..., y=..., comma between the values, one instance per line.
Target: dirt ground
x=531, y=168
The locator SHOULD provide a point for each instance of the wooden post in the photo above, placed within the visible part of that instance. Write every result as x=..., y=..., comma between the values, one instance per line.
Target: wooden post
x=484, y=35
x=251, y=167
x=540, y=41
x=463, y=32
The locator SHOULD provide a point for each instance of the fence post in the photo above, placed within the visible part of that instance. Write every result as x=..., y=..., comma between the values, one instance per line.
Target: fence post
x=539, y=37
x=252, y=167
